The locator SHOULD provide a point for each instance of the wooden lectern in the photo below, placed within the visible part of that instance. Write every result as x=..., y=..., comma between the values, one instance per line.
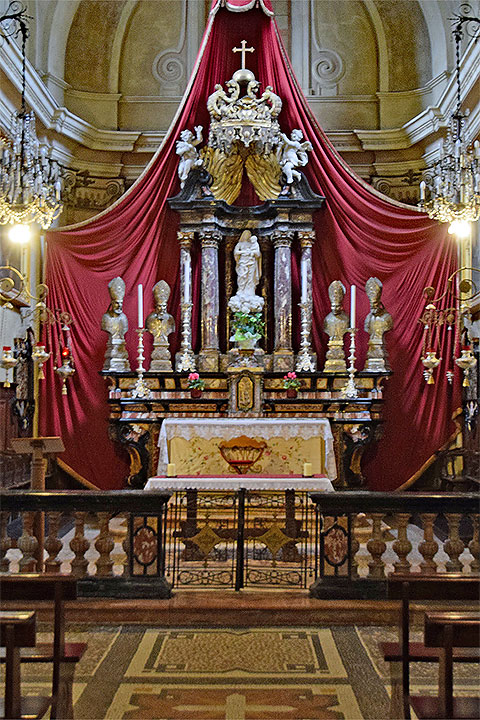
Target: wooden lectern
x=39, y=448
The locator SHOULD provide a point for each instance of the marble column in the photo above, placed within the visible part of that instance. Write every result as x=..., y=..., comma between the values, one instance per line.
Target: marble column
x=185, y=359
x=208, y=359
x=306, y=359
x=283, y=353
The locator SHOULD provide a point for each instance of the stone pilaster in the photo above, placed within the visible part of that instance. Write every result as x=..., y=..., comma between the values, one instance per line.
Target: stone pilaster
x=283, y=353
x=208, y=358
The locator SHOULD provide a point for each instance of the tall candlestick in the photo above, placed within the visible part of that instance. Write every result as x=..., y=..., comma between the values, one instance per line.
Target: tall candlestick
x=140, y=306
x=353, y=302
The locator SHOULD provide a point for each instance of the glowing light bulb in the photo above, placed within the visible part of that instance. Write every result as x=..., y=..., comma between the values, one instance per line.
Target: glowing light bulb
x=19, y=233
x=460, y=228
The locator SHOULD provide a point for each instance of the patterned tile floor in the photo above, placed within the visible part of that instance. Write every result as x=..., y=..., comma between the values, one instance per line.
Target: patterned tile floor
x=139, y=673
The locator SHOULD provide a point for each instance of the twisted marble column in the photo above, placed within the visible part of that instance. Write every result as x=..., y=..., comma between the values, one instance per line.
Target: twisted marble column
x=283, y=354
x=209, y=355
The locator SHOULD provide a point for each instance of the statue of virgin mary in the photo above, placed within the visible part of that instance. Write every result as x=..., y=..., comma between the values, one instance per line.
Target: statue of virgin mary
x=248, y=260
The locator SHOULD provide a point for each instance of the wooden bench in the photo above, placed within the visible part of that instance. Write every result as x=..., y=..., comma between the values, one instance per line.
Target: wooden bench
x=413, y=586
x=32, y=587
x=17, y=630
x=446, y=632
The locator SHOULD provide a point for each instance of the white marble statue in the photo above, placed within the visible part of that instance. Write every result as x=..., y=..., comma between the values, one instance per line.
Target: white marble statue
x=248, y=259
x=292, y=153
x=187, y=150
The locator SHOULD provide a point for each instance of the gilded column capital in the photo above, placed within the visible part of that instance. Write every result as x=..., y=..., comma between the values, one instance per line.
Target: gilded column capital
x=282, y=239
x=210, y=239
x=185, y=238
x=307, y=238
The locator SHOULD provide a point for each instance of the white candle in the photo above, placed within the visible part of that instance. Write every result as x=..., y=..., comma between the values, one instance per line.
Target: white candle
x=353, y=300
x=303, y=280
x=171, y=470
x=140, y=306
x=186, y=279
x=422, y=190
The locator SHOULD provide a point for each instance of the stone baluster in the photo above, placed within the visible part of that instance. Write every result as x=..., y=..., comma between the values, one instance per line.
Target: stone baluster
x=428, y=547
x=454, y=545
x=28, y=544
x=474, y=544
x=185, y=359
x=6, y=542
x=376, y=546
x=402, y=545
x=104, y=546
x=53, y=544
x=283, y=354
x=79, y=545
x=209, y=355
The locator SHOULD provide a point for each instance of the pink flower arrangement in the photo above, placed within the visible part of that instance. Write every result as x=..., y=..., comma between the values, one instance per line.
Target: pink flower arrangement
x=195, y=381
x=290, y=380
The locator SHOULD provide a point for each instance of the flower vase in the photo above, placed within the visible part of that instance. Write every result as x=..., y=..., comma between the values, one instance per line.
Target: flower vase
x=195, y=393
x=291, y=393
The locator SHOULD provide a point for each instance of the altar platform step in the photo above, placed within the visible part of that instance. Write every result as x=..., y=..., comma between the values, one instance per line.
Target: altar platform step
x=196, y=608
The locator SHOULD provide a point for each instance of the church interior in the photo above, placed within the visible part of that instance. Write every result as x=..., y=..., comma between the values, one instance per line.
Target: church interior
x=239, y=378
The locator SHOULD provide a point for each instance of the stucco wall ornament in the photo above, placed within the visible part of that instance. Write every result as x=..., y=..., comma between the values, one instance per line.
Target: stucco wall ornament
x=245, y=133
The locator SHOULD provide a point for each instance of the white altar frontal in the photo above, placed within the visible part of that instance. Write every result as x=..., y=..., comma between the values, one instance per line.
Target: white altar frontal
x=192, y=445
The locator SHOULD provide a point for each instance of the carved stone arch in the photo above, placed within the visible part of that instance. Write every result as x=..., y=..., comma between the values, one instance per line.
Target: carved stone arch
x=438, y=26
x=376, y=20
x=114, y=70
x=58, y=36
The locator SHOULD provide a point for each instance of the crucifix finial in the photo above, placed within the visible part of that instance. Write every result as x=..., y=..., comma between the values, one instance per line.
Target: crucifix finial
x=243, y=49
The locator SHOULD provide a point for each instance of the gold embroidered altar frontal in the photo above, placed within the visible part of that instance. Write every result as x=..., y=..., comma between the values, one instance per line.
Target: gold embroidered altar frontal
x=192, y=445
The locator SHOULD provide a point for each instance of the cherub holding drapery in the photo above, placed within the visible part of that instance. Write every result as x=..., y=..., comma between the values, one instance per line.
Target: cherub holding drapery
x=292, y=153
x=186, y=148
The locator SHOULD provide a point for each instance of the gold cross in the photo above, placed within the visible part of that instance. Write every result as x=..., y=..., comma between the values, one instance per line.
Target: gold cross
x=243, y=49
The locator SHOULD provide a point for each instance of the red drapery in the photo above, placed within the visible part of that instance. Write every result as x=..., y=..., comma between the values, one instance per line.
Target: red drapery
x=359, y=234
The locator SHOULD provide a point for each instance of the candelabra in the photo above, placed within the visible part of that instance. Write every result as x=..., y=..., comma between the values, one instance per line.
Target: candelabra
x=8, y=361
x=186, y=360
x=350, y=390
x=454, y=345
x=66, y=369
x=304, y=359
x=455, y=182
x=141, y=390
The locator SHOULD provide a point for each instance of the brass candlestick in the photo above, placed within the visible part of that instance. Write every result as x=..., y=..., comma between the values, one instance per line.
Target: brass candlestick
x=186, y=361
x=140, y=390
x=350, y=390
x=304, y=359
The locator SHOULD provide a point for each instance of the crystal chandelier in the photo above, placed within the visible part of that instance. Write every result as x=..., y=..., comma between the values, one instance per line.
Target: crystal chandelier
x=30, y=185
x=454, y=185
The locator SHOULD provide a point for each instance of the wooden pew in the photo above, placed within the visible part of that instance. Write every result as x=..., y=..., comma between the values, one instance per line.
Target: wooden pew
x=32, y=587
x=413, y=586
x=17, y=630
x=446, y=631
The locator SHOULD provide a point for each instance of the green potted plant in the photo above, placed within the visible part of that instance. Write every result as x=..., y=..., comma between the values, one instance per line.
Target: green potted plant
x=195, y=385
x=291, y=383
x=248, y=328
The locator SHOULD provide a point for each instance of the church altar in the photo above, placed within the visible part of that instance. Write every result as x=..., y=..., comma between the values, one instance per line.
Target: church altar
x=240, y=482
x=192, y=445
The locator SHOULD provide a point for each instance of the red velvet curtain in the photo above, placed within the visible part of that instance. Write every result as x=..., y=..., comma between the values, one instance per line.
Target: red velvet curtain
x=359, y=234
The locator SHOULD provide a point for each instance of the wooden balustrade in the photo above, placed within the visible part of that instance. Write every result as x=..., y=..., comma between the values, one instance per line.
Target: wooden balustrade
x=115, y=542
x=90, y=515
x=399, y=533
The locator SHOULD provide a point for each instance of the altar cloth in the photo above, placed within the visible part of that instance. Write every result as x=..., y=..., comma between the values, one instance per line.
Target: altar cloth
x=241, y=482
x=192, y=445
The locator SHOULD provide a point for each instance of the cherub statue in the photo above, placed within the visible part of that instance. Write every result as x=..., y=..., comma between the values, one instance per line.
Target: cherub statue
x=186, y=149
x=292, y=153
x=160, y=323
x=115, y=322
x=336, y=325
x=377, y=323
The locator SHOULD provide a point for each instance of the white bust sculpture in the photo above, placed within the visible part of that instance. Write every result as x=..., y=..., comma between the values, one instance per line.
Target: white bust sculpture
x=248, y=259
